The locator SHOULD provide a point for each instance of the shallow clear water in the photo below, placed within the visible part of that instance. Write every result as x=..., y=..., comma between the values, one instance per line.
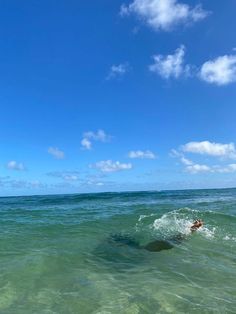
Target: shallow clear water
x=70, y=254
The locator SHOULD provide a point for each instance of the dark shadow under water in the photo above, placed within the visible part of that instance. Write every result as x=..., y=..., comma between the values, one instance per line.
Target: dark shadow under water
x=123, y=252
x=154, y=246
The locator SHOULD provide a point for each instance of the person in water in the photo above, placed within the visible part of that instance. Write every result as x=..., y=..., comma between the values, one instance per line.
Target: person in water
x=196, y=225
x=160, y=245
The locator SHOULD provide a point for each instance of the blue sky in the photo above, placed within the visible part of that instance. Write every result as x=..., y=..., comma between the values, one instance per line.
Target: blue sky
x=117, y=95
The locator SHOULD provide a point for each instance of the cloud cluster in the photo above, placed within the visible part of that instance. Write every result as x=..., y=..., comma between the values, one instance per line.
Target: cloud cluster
x=70, y=178
x=219, y=71
x=226, y=151
x=56, y=152
x=111, y=166
x=8, y=182
x=141, y=154
x=89, y=137
x=197, y=168
x=14, y=165
x=170, y=65
x=164, y=14
x=118, y=70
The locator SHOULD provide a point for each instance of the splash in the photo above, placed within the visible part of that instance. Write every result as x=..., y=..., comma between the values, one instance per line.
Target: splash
x=168, y=226
x=141, y=217
x=179, y=222
x=210, y=234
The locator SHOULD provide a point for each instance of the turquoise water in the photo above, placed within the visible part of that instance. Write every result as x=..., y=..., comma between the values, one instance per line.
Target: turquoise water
x=69, y=254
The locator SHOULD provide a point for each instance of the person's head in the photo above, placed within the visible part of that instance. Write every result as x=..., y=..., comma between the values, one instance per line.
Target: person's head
x=197, y=224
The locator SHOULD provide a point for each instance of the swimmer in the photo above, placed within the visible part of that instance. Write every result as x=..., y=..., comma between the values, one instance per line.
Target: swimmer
x=196, y=225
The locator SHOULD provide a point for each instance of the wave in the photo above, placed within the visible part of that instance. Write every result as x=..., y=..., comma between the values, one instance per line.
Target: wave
x=218, y=226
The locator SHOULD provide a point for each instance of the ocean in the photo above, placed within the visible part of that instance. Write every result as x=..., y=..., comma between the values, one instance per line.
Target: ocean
x=85, y=253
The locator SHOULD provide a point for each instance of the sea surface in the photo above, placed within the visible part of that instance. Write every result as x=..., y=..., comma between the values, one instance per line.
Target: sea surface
x=76, y=253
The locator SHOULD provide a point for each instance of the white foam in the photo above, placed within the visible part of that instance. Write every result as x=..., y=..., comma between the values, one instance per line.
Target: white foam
x=169, y=225
x=207, y=232
x=179, y=221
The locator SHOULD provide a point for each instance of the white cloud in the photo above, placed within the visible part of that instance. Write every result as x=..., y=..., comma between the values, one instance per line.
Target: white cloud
x=212, y=149
x=190, y=166
x=86, y=144
x=164, y=14
x=224, y=169
x=118, y=70
x=70, y=177
x=13, y=165
x=170, y=65
x=220, y=71
x=186, y=161
x=196, y=168
x=100, y=135
x=65, y=175
x=110, y=166
x=56, y=152
x=176, y=154
x=90, y=136
x=232, y=167
x=95, y=183
x=142, y=154
x=97, y=179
